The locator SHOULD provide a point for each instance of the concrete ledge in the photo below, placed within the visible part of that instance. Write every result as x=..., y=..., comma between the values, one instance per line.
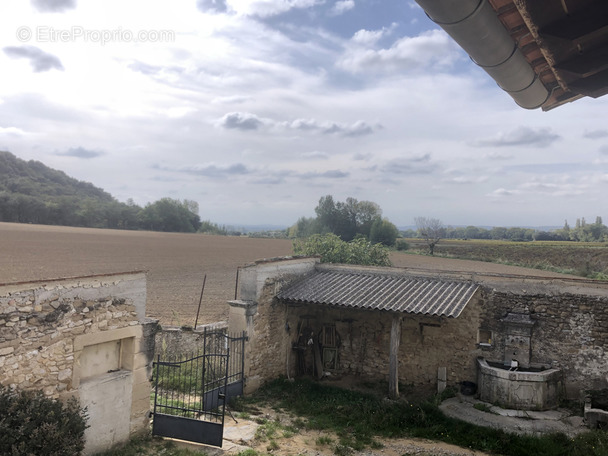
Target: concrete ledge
x=106, y=336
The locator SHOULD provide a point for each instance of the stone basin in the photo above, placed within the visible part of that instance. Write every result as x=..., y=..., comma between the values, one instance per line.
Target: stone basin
x=518, y=389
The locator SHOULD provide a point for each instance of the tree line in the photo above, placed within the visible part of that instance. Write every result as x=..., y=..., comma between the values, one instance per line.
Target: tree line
x=166, y=214
x=581, y=232
x=348, y=220
x=31, y=192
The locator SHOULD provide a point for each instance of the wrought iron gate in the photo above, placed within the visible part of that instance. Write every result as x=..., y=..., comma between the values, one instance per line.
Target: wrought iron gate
x=190, y=393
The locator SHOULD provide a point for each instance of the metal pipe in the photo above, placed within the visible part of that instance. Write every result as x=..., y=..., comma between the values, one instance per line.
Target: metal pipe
x=200, y=301
x=474, y=25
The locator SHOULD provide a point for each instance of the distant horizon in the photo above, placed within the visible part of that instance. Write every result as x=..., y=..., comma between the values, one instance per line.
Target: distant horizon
x=256, y=109
x=272, y=226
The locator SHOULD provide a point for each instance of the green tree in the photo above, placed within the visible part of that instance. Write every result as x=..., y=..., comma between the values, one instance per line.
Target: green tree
x=305, y=227
x=327, y=213
x=383, y=232
x=212, y=228
x=346, y=219
x=332, y=249
x=169, y=214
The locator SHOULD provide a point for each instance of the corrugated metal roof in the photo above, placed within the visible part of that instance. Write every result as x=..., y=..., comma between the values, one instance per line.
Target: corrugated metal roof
x=412, y=295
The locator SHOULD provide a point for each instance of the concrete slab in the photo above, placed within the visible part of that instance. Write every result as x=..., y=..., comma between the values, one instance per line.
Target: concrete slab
x=515, y=421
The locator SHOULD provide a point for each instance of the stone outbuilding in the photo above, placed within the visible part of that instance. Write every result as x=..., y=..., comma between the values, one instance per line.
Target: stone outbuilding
x=86, y=337
x=421, y=329
x=307, y=318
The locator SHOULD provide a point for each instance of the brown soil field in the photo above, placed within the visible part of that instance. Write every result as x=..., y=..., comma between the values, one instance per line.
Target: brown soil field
x=175, y=263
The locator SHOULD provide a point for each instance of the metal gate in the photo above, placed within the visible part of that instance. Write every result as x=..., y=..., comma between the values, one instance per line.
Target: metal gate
x=190, y=392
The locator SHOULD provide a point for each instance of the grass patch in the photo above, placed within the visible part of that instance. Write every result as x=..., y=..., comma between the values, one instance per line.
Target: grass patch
x=324, y=440
x=483, y=407
x=271, y=430
x=149, y=446
x=359, y=419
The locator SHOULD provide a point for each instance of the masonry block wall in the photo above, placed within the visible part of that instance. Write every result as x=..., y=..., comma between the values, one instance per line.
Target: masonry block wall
x=85, y=337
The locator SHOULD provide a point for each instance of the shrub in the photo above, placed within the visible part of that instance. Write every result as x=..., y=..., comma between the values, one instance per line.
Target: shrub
x=332, y=249
x=33, y=424
x=402, y=245
x=383, y=232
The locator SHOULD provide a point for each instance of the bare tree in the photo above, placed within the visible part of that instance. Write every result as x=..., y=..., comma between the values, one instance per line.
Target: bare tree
x=431, y=229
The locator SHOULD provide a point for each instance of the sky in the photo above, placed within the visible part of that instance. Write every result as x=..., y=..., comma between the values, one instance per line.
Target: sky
x=257, y=108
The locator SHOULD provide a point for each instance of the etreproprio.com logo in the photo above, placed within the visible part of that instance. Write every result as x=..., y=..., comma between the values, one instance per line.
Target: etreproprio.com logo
x=46, y=34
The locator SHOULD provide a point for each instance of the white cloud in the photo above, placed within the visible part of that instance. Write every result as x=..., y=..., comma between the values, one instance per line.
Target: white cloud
x=521, y=136
x=495, y=155
x=248, y=121
x=502, y=192
x=265, y=8
x=232, y=99
x=212, y=6
x=11, y=131
x=430, y=49
x=371, y=37
x=341, y=7
x=467, y=179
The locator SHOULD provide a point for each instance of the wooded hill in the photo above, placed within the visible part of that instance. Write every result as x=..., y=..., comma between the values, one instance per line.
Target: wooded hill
x=31, y=192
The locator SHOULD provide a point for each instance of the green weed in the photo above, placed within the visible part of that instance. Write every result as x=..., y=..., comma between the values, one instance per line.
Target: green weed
x=324, y=440
x=360, y=420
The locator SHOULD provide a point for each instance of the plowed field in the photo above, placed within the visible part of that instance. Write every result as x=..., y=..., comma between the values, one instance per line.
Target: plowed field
x=175, y=263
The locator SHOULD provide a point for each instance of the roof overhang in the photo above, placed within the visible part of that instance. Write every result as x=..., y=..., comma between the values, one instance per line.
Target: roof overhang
x=543, y=53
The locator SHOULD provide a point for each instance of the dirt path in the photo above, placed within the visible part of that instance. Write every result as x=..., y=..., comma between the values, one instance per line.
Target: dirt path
x=242, y=435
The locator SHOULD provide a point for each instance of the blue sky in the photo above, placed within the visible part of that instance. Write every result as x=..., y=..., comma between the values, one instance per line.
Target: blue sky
x=256, y=109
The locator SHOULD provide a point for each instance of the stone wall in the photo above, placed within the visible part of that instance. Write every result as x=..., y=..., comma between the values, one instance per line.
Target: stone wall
x=174, y=341
x=268, y=346
x=364, y=337
x=570, y=333
x=363, y=342
x=570, y=330
x=67, y=337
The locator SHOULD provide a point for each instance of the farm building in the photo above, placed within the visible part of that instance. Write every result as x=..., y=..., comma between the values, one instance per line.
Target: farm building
x=424, y=329
x=84, y=337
